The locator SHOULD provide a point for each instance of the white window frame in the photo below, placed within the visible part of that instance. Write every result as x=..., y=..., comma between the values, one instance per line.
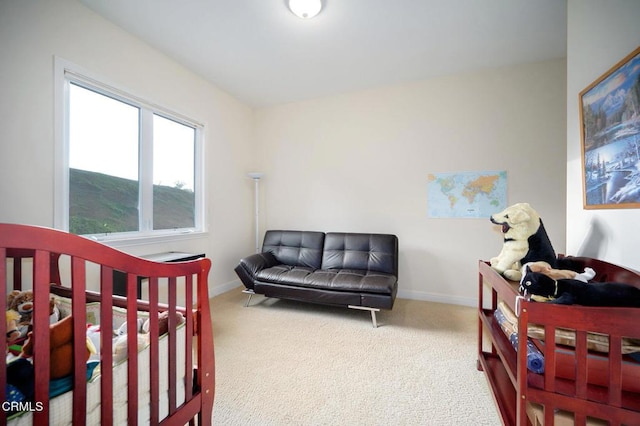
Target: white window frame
x=64, y=73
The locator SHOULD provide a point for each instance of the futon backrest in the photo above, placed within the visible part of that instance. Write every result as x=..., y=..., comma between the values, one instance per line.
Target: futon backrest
x=369, y=252
x=295, y=248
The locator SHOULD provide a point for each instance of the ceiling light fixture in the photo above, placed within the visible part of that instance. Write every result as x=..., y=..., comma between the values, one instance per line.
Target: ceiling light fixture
x=305, y=9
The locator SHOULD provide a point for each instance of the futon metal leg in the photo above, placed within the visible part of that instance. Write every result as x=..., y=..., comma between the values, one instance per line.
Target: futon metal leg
x=372, y=310
x=250, y=293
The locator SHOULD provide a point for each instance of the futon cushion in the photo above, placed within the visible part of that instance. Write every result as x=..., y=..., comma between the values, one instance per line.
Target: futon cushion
x=351, y=280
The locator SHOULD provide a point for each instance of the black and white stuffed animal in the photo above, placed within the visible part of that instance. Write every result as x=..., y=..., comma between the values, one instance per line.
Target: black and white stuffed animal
x=569, y=291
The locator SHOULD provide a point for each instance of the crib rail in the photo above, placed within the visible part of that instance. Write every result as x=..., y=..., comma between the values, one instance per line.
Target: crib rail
x=582, y=384
x=36, y=258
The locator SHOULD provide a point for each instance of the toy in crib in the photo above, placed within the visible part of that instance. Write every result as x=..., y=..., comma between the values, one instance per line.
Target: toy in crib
x=143, y=337
x=60, y=349
x=556, y=274
x=12, y=326
x=571, y=291
x=20, y=374
x=22, y=302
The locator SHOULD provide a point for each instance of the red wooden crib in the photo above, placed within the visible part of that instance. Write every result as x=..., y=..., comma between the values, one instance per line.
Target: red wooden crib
x=591, y=355
x=162, y=373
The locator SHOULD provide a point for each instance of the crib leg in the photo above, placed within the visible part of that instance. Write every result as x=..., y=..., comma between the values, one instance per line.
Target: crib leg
x=250, y=293
x=372, y=310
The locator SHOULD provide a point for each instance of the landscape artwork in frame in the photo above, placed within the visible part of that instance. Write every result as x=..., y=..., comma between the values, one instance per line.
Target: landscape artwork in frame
x=610, y=126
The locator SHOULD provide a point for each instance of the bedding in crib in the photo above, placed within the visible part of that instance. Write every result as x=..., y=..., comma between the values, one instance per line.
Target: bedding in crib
x=61, y=393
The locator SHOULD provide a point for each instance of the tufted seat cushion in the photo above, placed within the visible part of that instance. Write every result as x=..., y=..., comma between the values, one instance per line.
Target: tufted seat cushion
x=337, y=279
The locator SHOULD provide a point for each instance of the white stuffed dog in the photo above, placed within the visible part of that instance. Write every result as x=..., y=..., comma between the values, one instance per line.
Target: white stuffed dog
x=525, y=240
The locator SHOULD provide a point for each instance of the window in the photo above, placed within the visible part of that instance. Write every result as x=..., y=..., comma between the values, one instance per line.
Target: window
x=130, y=169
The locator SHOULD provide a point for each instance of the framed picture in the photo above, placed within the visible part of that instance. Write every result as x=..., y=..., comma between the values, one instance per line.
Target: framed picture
x=610, y=130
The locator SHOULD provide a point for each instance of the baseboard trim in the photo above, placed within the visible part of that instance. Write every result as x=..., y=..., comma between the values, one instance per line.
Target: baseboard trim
x=402, y=294
x=438, y=298
x=223, y=288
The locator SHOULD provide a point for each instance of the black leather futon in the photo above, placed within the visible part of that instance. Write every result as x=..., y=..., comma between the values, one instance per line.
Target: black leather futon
x=354, y=270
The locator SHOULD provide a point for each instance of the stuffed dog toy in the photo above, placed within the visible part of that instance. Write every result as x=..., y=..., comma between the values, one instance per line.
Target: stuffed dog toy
x=567, y=291
x=525, y=240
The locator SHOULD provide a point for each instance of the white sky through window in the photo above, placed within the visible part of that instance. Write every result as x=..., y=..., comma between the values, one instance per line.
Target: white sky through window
x=104, y=134
x=173, y=153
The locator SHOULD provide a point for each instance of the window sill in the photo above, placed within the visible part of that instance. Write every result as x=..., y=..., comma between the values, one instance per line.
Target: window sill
x=118, y=241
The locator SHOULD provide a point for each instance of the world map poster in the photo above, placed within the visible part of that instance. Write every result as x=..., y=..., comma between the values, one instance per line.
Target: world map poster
x=466, y=194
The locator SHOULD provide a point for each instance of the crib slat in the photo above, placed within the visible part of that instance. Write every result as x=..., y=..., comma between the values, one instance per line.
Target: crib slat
x=3, y=331
x=41, y=335
x=106, y=346
x=206, y=353
x=79, y=312
x=550, y=358
x=549, y=371
x=173, y=360
x=132, y=350
x=615, y=370
x=549, y=415
x=188, y=350
x=581, y=364
x=154, y=357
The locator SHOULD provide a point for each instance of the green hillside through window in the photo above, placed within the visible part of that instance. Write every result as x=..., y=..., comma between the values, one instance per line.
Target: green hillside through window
x=100, y=203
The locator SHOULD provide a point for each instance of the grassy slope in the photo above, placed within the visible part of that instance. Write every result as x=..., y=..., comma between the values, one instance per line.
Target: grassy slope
x=101, y=203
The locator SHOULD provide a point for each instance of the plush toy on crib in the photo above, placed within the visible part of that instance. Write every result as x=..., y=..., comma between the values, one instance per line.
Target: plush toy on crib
x=19, y=375
x=60, y=348
x=120, y=342
x=163, y=322
x=22, y=302
x=556, y=274
x=12, y=326
x=525, y=240
x=567, y=291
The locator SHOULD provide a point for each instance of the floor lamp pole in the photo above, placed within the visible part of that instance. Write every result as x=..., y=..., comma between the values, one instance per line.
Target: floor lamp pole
x=256, y=180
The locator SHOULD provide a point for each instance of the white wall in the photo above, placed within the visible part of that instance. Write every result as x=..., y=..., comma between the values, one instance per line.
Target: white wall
x=31, y=33
x=600, y=34
x=356, y=162
x=359, y=163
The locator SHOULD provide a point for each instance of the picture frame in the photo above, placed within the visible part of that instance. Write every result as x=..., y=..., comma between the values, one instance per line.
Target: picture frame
x=610, y=137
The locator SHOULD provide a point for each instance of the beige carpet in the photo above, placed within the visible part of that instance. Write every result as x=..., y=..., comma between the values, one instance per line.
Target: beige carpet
x=288, y=363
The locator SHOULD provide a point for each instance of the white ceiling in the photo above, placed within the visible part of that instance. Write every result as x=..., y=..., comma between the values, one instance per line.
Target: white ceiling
x=262, y=54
